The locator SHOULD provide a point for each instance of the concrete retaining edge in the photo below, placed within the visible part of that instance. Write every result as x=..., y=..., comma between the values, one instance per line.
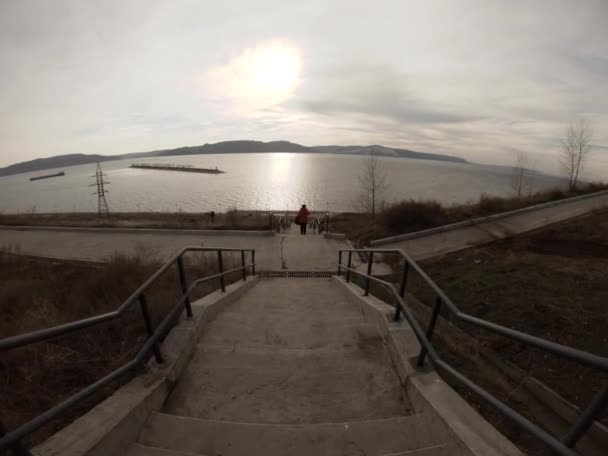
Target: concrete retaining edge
x=137, y=230
x=338, y=236
x=477, y=221
x=429, y=394
x=110, y=426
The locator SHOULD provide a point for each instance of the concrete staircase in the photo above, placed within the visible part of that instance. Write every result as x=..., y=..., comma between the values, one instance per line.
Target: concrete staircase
x=291, y=368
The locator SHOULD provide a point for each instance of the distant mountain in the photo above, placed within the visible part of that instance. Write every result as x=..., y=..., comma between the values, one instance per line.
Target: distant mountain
x=225, y=147
x=237, y=147
x=386, y=152
x=59, y=161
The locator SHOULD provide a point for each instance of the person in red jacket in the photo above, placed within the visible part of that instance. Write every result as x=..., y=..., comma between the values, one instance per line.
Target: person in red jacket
x=302, y=218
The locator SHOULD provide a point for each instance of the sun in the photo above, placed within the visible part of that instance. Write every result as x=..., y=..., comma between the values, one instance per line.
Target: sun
x=275, y=69
x=261, y=76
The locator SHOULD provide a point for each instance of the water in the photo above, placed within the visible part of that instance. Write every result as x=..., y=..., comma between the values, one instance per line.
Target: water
x=253, y=181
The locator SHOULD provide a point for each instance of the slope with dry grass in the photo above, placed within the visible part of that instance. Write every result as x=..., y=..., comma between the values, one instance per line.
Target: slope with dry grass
x=552, y=283
x=412, y=215
x=39, y=293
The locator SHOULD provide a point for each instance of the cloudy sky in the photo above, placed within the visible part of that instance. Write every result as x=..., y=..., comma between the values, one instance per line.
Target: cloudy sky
x=476, y=78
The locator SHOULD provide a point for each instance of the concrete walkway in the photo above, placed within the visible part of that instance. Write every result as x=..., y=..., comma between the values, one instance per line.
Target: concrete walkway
x=291, y=368
x=311, y=252
x=438, y=241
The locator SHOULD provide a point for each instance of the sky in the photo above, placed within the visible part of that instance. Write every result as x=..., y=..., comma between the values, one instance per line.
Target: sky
x=480, y=79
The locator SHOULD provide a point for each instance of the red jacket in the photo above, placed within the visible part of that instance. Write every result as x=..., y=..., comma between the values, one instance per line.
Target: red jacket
x=302, y=216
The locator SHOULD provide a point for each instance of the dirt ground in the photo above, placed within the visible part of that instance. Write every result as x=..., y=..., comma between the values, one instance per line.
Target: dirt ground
x=552, y=283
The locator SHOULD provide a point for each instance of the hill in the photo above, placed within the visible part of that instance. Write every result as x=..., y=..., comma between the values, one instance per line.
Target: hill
x=386, y=152
x=225, y=147
x=59, y=161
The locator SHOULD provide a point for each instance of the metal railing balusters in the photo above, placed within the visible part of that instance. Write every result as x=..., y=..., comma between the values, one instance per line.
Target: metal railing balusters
x=13, y=438
x=370, y=262
x=350, y=262
x=17, y=447
x=584, y=422
x=183, y=282
x=148, y=321
x=339, y=264
x=220, y=265
x=562, y=447
x=429, y=330
x=402, y=286
x=243, y=265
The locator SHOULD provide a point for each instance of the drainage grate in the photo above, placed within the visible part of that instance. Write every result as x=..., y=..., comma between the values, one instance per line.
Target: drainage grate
x=286, y=274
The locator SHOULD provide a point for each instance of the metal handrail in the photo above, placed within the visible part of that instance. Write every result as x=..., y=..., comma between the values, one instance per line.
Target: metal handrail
x=282, y=223
x=13, y=438
x=319, y=224
x=325, y=222
x=279, y=223
x=585, y=420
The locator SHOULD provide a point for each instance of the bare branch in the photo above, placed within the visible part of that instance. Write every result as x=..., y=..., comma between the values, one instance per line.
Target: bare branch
x=576, y=147
x=372, y=185
x=521, y=180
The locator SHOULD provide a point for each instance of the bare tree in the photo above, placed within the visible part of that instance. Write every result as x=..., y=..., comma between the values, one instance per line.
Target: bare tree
x=521, y=178
x=372, y=185
x=576, y=147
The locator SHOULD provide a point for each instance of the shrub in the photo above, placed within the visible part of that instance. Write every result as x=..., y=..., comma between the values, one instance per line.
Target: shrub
x=413, y=215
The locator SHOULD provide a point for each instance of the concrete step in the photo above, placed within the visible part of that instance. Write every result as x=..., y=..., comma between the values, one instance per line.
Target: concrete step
x=276, y=385
x=394, y=436
x=288, y=394
x=136, y=449
x=287, y=333
x=435, y=450
x=308, y=296
x=268, y=357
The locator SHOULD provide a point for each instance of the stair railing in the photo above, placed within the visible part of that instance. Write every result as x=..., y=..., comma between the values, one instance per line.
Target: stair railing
x=563, y=446
x=152, y=343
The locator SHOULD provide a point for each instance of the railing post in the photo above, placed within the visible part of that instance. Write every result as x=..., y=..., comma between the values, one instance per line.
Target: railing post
x=429, y=330
x=220, y=264
x=244, y=270
x=148, y=322
x=349, y=265
x=253, y=262
x=370, y=262
x=339, y=263
x=17, y=447
x=402, y=285
x=182, y=280
x=595, y=408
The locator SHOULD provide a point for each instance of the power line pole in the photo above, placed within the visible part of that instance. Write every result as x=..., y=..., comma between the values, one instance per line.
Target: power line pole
x=102, y=203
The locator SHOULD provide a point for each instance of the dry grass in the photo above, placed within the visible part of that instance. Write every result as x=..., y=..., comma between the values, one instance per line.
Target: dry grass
x=38, y=293
x=410, y=216
x=551, y=283
x=235, y=220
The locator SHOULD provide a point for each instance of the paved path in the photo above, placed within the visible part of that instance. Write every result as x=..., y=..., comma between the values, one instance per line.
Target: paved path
x=291, y=251
x=311, y=252
x=422, y=245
